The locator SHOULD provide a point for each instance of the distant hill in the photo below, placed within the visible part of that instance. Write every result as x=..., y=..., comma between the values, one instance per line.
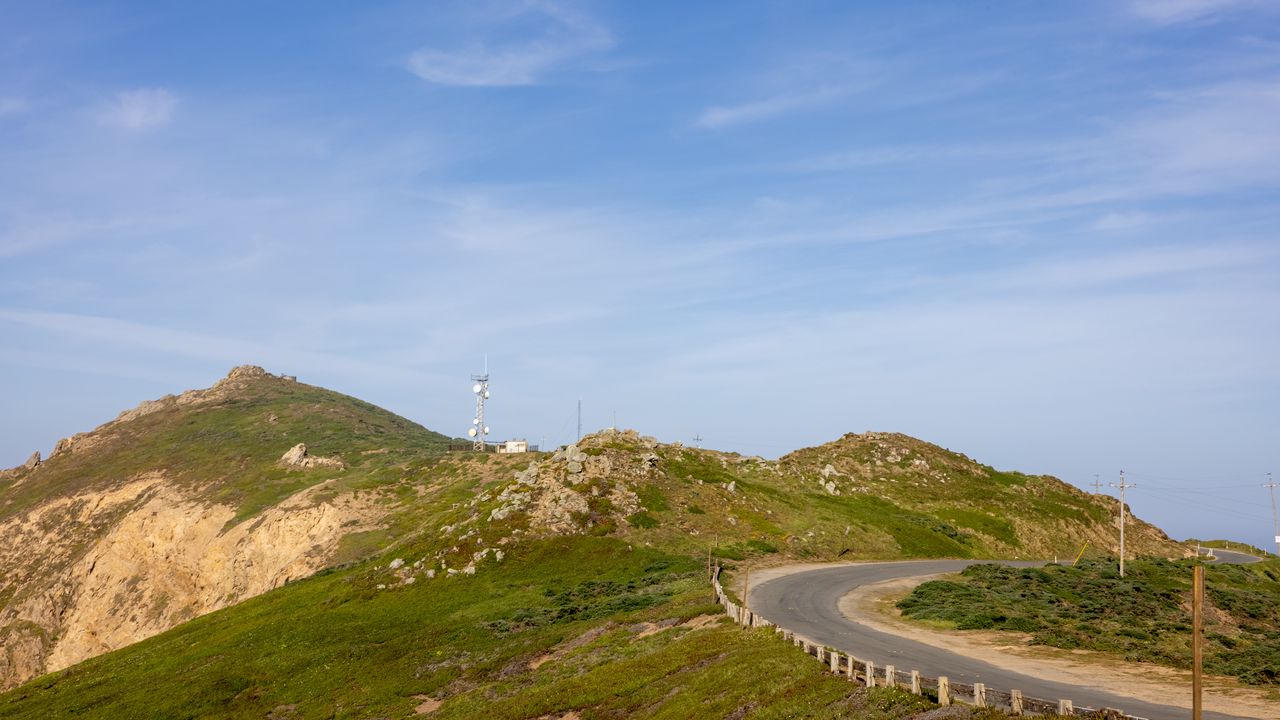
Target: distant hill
x=196, y=502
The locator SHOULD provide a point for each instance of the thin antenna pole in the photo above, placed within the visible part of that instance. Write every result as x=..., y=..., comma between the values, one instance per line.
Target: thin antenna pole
x=1275, y=519
x=1122, y=485
x=697, y=441
x=1097, y=483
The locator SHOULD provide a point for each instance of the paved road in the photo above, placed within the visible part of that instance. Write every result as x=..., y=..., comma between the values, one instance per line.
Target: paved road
x=1231, y=557
x=806, y=603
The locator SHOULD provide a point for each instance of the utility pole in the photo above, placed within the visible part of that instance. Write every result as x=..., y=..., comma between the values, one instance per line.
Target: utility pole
x=1197, y=642
x=1122, y=485
x=1275, y=519
x=1097, y=483
x=697, y=441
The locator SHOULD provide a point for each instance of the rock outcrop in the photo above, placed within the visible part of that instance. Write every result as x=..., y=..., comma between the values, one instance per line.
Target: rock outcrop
x=297, y=457
x=163, y=558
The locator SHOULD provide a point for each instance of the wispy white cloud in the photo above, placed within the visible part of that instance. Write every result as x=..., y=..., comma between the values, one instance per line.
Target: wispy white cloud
x=13, y=106
x=566, y=33
x=225, y=350
x=802, y=84
x=1216, y=137
x=1169, y=12
x=719, y=116
x=140, y=109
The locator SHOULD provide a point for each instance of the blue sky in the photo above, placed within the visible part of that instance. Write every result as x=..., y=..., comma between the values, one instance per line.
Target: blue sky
x=1042, y=234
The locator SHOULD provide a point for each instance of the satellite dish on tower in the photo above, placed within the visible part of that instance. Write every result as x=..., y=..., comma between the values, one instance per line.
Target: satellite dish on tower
x=476, y=388
x=486, y=394
x=471, y=432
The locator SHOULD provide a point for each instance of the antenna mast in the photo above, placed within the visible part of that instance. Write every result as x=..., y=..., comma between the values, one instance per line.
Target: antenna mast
x=480, y=387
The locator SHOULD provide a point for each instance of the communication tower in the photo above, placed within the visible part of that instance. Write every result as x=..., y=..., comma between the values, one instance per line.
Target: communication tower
x=478, y=429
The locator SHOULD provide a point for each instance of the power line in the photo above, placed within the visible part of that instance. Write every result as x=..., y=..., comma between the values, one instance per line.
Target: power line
x=1123, y=486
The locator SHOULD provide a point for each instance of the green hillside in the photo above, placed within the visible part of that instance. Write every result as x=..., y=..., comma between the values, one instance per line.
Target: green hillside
x=226, y=442
x=570, y=624
x=1143, y=617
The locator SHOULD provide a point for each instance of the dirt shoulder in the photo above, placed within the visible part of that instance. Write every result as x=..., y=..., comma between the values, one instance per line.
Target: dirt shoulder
x=874, y=606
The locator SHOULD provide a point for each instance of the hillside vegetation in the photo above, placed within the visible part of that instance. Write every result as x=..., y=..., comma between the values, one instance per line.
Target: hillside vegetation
x=578, y=624
x=191, y=504
x=1143, y=617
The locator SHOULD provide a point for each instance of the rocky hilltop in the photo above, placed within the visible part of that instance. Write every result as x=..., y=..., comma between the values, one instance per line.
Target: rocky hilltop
x=194, y=502
x=184, y=505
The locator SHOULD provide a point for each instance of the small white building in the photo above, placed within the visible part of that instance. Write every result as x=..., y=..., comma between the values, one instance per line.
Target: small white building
x=514, y=446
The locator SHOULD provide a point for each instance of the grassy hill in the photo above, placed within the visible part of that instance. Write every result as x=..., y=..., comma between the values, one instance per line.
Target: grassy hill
x=1143, y=617
x=226, y=443
x=442, y=574
x=579, y=624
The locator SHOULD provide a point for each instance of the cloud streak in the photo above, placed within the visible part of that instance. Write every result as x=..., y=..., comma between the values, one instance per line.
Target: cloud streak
x=139, y=110
x=565, y=34
x=1172, y=12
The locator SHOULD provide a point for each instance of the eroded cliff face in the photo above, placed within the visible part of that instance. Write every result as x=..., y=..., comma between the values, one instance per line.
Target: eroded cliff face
x=159, y=558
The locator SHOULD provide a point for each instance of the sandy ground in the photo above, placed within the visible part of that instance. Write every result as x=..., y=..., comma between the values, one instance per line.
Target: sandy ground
x=873, y=605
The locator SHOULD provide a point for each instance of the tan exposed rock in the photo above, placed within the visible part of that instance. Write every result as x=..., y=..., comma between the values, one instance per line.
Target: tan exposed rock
x=167, y=559
x=297, y=457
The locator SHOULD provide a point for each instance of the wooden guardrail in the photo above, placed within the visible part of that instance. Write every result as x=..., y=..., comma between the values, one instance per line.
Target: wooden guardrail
x=868, y=673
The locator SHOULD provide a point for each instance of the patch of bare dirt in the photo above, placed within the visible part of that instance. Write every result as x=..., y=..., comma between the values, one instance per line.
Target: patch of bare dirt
x=565, y=648
x=426, y=704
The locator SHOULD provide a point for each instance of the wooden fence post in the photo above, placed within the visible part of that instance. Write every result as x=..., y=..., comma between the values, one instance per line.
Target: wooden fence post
x=915, y=682
x=890, y=676
x=980, y=695
x=1015, y=702
x=944, y=690
x=871, y=674
x=1064, y=708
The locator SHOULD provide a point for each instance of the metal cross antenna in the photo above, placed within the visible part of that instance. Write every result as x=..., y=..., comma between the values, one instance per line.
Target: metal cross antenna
x=1097, y=483
x=1122, y=485
x=1275, y=519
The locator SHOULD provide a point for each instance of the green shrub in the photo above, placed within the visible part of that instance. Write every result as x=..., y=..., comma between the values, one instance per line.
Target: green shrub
x=642, y=520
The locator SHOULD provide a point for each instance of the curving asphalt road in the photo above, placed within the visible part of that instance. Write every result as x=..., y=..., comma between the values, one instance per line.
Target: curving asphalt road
x=806, y=603
x=1231, y=557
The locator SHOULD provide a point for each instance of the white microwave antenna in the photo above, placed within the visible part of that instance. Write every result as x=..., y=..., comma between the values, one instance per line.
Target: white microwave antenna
x=480, y=386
